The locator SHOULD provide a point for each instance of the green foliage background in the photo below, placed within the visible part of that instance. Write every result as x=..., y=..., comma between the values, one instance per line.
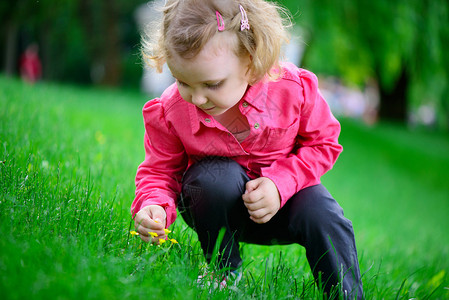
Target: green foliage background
x=357, y=41
x=362, y=40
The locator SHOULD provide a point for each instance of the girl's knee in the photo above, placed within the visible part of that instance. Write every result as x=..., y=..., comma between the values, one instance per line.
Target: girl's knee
x=212, y=171
x=215, y=179
x=314, y=207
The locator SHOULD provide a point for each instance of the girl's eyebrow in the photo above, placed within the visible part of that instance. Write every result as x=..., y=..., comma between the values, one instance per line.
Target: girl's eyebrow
x=213, y=81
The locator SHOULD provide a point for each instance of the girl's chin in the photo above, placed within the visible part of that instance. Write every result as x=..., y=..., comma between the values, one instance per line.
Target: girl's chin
x=215, y=111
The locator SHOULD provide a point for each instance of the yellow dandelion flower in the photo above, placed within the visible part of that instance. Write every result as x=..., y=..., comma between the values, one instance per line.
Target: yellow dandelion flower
x=167, y=231
x=153, y=234
x=173, y=241
x=133, y=232
x=161, y=241
x=100, y=137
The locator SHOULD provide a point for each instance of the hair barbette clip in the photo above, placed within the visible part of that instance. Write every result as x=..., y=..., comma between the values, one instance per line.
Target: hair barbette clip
x=220, y=22
x=244, y=22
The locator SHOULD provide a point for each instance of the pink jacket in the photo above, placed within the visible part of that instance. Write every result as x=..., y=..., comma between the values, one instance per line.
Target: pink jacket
x=293, y=139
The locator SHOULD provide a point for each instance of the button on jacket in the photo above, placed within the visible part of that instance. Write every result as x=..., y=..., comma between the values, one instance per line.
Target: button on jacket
x=293, y=139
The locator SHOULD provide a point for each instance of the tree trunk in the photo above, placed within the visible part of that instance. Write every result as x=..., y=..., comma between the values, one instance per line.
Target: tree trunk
x=100, y=24
x=112, y=57
x=11, y=62
x=393, y=104
x=445, y=108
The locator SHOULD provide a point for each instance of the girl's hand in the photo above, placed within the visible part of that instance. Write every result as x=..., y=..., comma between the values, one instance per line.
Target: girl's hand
x=151, y=218
x=262, y=199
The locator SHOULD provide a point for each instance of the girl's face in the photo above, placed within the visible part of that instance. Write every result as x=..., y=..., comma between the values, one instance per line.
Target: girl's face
x=214, y=80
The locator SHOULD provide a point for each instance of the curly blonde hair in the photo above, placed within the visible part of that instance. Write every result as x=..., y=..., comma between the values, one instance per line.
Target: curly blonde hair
x=187, y=25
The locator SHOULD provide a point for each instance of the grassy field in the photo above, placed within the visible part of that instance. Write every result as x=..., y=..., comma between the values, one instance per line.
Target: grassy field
x=68, y=157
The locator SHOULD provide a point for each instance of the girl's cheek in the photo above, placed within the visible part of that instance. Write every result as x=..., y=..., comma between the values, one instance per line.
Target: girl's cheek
x=185, y=96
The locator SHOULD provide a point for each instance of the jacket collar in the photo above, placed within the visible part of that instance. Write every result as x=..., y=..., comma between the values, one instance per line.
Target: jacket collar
x=255, y=96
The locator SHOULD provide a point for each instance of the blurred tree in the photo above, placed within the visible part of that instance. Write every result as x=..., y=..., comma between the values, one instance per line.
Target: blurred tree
x=80, y=40
x=11, y=12
x=100, y=22
x=400, y=43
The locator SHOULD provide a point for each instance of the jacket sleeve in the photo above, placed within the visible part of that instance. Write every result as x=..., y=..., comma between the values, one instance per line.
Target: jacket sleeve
x=158, y=178
x=317, y=146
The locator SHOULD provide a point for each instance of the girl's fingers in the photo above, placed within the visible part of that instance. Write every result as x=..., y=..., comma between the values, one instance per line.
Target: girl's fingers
x=150, y=231
x=155, y=240
x=250, y=186
x=151, y=216
x=152, y=235
x=144, y=238
x=252, y=197
x=259, y=213
x=262, y=218
x=149, y=223
x=253, y=206
x=253, y=184
x=143, y=230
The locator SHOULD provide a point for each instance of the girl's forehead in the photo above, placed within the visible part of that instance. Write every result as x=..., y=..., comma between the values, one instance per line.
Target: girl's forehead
x=206, y=66
x=221, y=44
x=216, y=61
x=218, y=50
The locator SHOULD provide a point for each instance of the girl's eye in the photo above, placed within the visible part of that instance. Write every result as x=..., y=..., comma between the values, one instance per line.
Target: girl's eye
x=214, y=86
x=211, y=86
x=182, y=83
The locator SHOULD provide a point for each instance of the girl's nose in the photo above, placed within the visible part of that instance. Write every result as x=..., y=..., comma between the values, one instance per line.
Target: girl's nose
x=198, y=99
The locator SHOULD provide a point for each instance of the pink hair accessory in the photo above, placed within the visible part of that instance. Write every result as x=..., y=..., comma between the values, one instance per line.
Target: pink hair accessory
x=244, y=23
x=220, y=22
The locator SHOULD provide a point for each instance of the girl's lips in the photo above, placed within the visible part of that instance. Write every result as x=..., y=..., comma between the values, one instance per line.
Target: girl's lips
x=207, y=109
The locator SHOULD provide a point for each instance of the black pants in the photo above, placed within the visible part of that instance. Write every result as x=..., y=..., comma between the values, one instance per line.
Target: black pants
x=212, y=199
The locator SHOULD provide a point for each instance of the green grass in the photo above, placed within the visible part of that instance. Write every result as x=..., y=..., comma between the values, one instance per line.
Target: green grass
x=68, y=159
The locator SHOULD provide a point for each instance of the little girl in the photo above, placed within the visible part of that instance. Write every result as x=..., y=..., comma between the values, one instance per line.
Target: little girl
x=240, y=142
